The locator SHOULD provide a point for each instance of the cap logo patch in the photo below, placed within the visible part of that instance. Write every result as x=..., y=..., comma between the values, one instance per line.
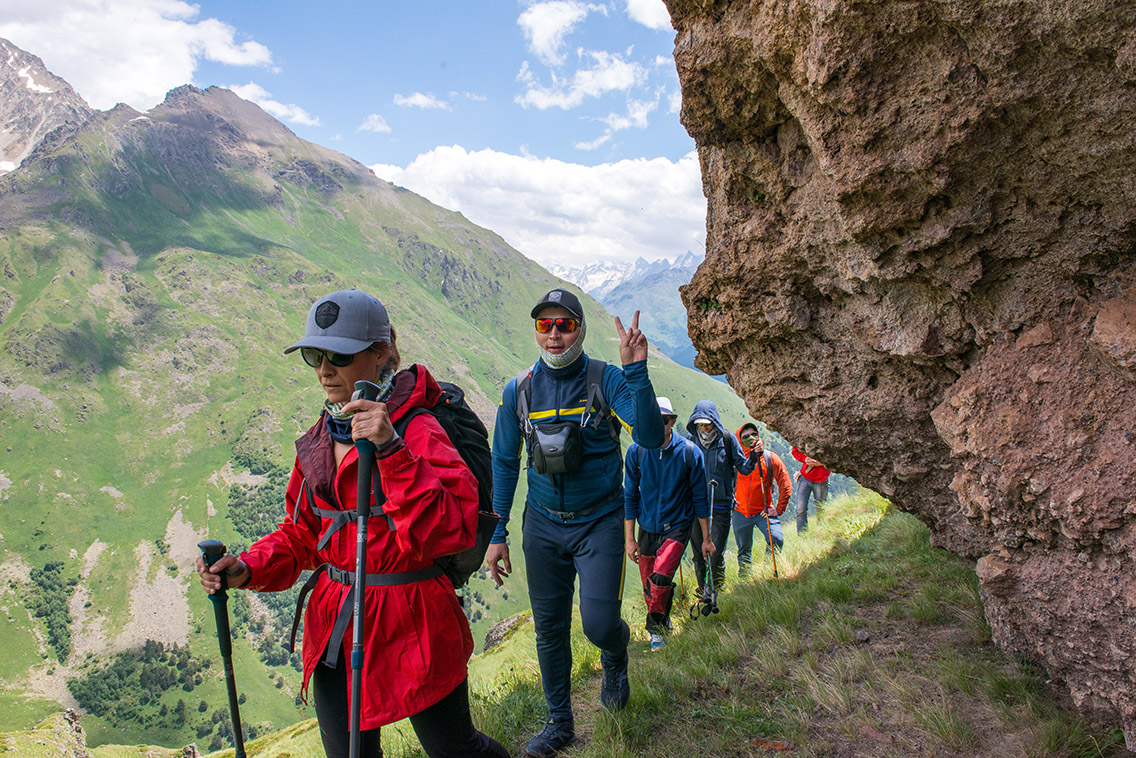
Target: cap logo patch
x=554, y=296
x=326, y=314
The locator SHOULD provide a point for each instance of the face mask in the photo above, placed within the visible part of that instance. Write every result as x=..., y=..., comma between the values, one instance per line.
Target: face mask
x=707, y=438
x=569, y=356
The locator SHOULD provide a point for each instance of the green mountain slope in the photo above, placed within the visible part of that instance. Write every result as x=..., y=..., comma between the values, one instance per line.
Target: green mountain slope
x=153, y=267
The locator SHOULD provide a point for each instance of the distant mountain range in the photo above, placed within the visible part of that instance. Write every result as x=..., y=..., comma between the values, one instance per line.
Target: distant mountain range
x=651, y=287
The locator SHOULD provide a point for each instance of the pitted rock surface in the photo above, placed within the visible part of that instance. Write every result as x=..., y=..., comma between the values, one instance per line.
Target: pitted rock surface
x=921, y=223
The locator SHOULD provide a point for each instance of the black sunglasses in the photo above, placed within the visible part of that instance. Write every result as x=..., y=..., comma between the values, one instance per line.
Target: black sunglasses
x=313, y=356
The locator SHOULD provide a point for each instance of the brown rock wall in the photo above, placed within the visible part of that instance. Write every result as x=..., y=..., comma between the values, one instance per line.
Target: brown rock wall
x=920, y=233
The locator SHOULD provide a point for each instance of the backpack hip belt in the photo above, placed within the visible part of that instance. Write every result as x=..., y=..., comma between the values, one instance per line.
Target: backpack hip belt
x=347, y=578
x=566, y=516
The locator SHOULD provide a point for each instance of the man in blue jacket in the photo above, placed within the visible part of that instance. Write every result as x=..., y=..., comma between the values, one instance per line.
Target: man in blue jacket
x=566, y=411
x=665, y=490
x=724, y=459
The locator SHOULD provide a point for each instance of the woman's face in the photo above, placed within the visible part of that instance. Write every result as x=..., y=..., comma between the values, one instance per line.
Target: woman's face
x=556, y=341
x=338, y=382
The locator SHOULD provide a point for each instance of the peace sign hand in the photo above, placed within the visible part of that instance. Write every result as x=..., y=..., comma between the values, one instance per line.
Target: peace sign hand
x=632, y=343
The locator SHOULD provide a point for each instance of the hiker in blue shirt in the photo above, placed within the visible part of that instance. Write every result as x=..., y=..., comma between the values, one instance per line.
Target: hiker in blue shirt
x=566, y=411
x=724, y=458
x=664, y=490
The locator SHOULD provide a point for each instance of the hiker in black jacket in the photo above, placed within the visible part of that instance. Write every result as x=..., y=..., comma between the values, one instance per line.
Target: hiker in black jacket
x=724, y=460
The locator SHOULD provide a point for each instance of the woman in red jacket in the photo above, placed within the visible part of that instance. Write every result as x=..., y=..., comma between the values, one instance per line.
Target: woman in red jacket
x=417, y=640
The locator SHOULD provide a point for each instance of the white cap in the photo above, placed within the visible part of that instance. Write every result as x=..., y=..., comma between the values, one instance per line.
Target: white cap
x=666, y=407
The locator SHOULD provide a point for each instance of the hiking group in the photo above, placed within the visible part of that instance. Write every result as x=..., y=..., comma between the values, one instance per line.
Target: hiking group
x=407, y=448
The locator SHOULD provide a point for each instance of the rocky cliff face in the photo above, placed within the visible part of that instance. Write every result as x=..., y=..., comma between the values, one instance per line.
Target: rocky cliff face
x=33, y=103
x=921, y=227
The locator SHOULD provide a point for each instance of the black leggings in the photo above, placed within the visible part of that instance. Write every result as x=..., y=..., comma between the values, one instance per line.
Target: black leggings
x=445, y=729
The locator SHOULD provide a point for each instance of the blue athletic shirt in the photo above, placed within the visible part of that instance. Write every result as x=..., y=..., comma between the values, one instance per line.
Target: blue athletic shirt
x=558, y=395
x=661, y=491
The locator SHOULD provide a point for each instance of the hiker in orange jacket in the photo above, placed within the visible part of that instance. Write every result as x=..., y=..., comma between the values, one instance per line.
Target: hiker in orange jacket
x=811, y=480
x=753, y=498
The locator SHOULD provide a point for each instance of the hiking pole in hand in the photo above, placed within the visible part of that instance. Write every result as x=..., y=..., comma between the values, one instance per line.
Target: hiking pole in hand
x=364, y=466
x=211, y=550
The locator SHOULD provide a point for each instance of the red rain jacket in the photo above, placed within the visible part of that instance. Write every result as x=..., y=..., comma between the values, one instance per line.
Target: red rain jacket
x=751, y=497
x=417, y=638
x=818, y=473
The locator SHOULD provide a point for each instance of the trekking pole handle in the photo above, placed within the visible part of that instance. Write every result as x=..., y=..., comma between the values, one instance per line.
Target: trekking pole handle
x=211, y=552
x=365, y=390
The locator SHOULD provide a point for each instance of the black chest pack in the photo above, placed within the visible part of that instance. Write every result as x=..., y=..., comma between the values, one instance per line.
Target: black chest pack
x=557, y=447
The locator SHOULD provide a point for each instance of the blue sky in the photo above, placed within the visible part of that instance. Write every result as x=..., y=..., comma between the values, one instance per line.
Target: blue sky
x=552, y=122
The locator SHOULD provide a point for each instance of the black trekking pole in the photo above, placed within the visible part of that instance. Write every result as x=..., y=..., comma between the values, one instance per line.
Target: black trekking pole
x=709, y=599
x=211, y=550
x=366, y=463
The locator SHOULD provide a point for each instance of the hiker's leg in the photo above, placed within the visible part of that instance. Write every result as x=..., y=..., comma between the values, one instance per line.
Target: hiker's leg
x=598, y=556
x=773, y=527
x=743, y=535
x=697, y=557
x=720, y=535
x=329, y=691
x=662, y=579
x=820, y=496
x=552, y=577
x=446, y=730
x=802, y=494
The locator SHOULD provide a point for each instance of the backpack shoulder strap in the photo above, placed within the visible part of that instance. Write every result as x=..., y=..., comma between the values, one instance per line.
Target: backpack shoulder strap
x=523, y=387
x=597, y=410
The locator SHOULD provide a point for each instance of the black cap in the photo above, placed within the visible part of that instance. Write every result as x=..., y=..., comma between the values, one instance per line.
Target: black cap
x=561, y=298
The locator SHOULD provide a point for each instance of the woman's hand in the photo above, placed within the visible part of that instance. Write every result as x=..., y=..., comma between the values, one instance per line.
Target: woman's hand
x=236, y=572
x=370, y=421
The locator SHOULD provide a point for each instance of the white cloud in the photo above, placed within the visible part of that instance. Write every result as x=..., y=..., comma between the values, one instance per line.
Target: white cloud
x=374, y=123
x=293, y=114
x=131, y=51
x=426, y=101
x=650, y=13
x=637, y=113
x=611, y=73
x=546, y=24
x=557, y=212
x=598, y=142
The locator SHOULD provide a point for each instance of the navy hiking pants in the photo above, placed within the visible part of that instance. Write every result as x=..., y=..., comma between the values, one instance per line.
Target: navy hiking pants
x=555, y=553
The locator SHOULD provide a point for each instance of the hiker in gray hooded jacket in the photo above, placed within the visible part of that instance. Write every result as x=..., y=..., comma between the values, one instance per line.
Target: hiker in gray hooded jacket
x=724, y=460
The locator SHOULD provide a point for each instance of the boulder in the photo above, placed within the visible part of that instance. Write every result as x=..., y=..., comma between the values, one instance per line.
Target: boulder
x=921, y=220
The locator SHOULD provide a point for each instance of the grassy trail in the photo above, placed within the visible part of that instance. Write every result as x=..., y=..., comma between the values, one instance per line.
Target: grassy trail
x=872, y=643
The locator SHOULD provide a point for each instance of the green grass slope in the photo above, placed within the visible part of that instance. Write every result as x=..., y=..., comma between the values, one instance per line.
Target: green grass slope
x=154, y=267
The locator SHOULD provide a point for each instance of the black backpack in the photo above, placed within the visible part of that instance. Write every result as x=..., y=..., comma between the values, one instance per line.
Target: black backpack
x=471, y=439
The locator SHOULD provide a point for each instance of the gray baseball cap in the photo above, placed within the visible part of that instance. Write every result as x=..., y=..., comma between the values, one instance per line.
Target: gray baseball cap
x=348, y=321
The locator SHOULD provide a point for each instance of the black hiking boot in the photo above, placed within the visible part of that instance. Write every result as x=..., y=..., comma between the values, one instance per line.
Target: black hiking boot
x=555, y=736
x=615, y=689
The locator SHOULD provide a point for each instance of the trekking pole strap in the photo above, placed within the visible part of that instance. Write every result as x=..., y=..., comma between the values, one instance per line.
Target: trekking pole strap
x=347, y=578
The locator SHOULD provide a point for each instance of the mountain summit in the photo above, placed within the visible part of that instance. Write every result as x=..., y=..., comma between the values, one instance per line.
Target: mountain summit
x=33, y=103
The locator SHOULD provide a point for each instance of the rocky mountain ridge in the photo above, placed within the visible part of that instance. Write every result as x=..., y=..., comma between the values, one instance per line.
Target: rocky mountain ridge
x=33, y=103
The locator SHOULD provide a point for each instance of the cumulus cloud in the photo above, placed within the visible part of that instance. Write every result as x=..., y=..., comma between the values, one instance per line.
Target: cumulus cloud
x=422, y=100
x=374, y=123
x=289, y=112
x=610, y=72
x=566, y=213
x=650, y=13
x=131, y=51
x=547, y=24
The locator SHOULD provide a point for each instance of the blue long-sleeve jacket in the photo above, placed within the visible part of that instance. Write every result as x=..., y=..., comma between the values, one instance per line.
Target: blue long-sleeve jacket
x=661, y=489
x=561, y=394
x=721, y=464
